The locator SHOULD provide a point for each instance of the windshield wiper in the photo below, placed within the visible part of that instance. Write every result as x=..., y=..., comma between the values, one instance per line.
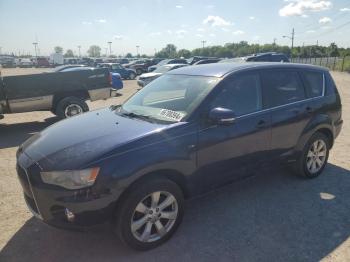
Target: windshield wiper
x=133, y=115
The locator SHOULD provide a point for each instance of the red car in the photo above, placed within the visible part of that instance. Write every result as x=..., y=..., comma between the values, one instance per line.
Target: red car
x=42, y=62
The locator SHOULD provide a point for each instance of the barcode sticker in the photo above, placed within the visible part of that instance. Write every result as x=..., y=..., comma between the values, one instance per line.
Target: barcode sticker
x=177, y=116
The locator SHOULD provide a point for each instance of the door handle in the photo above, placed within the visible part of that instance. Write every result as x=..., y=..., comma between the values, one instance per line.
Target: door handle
x=261, y=124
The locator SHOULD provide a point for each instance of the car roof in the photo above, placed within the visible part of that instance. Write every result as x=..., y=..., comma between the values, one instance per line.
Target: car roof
x=172, y=65
x=222, y=69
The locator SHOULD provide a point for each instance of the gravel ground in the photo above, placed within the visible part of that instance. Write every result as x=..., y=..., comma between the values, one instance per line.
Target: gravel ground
x=274, y=216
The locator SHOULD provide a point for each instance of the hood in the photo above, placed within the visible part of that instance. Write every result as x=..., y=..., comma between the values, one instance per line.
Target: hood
x=77, y=141
x=149, y=75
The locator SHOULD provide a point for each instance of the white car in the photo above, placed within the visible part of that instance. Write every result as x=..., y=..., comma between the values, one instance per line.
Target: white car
x=25, y=62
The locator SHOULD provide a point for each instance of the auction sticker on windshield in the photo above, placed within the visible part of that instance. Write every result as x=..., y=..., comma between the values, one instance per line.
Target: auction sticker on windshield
x=176, y=116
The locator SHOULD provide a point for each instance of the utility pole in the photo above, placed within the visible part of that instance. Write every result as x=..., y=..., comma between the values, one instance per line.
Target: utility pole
x=79, y=50
x=274, y=41
x=203, y=42
x=35, y=47
x=106, y=48
x=110, y=47
x=137, y=50
x=291, y=38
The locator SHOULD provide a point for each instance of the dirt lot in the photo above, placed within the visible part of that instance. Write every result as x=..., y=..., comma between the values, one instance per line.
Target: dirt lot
x=270, y=217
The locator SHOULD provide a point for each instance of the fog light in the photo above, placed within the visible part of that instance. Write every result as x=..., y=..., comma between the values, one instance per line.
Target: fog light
x=70, y=216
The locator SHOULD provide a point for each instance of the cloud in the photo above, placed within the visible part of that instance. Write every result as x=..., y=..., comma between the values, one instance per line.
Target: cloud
x=86, y=23
x=216, y=21
x=181, y=33
x=200, y=29
x=212, y=35
x=345, y=9
x=153, y=34
x=310, y=31
x=238, y=32
x=299, y=7
x=179, y=6
x=101, y=21
x=225, y=29
x=210, y=6
x=118, y=37
x=199, y=35
x=252, y=17
x=169, y=32
x=325, y=20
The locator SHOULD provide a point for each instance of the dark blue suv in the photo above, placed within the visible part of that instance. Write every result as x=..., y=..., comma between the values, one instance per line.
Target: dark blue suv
x=187, y=132
x=125, y=73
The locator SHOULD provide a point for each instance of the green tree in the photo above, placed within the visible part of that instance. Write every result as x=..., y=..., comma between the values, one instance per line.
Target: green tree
x=167, y=52
x=94, y=51
x=128, y=55
x=58, y=50
x=184, y=53
x=69, y=53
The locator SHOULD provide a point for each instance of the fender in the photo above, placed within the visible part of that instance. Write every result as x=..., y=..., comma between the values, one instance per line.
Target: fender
x=322, y=121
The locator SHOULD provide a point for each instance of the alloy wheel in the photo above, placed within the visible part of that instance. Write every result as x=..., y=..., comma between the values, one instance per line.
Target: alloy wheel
x=72, y=110
x=316, y=156
x=154, y=216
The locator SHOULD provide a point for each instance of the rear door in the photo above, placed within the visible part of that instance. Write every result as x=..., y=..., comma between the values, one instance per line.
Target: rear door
x=284, y=96
x=227, y=152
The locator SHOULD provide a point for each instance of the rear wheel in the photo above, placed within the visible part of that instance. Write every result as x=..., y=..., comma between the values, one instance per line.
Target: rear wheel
x=149, y=214
x=138, y=71
x=314, y=156
x=132, y=76
x=71, y=106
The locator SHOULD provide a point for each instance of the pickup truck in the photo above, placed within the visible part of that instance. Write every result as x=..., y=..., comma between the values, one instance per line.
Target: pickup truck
x=63, y=93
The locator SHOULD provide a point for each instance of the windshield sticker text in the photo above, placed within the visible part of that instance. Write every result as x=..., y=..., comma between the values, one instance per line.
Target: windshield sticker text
x=171, y=114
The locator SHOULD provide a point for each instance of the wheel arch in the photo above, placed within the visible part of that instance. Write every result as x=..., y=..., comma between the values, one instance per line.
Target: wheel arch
x=171, y=174
x=81, y=93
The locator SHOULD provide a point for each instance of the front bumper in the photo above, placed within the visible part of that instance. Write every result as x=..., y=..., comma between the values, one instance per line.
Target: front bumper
x=90, y=206
x=141, y=83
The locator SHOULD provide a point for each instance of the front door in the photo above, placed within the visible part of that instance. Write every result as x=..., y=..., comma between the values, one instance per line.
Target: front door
x=228, y=152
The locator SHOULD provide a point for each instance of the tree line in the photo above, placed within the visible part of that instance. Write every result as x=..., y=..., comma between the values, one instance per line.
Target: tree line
x=231, y=50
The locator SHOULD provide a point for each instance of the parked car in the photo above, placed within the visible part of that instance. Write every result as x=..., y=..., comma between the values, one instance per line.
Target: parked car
x=207, y=61
x=126, y=73
x=64, y=67
x=62, y=93
x=7, y=61
x=261, y=57
x=122, y=61
x=41, y=62
x=25, y=62
x=140, y=66
x=192, y=130
x=195, y=59
x=146, y=78
x=166, y=62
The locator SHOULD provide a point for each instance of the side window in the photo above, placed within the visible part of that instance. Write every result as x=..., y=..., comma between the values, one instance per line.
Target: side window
x=314, y=83
x=241, y=93
x=281, y=87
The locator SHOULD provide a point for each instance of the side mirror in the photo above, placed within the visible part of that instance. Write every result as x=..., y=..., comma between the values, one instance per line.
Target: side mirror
x=222, y=116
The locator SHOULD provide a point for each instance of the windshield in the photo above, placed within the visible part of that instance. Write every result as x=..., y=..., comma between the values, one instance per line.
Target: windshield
x=162, y=69
x=169, y=98
x=163, y=62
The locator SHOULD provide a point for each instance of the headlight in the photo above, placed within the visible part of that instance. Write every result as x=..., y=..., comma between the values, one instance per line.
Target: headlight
x=75, y=179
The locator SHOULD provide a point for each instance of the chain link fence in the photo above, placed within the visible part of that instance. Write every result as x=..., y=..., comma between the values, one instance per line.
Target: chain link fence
x=333, y=63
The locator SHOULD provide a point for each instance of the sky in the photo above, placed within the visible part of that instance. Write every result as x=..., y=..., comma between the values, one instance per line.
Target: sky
x=151, y=24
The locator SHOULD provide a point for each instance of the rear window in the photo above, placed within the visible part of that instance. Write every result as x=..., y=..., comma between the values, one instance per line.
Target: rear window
x=281, y=87
x=314, y=83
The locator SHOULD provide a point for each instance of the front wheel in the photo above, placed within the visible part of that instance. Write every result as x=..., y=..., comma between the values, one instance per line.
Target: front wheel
x=149, y=214
x=71, y=106
x=314, y=156
x=138, y=71
x=132, y=76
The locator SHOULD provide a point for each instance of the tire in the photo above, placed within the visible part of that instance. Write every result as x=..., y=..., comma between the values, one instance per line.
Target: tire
x=66, y=106
x=141, y=193
x=132, y=76
x=302, y=167
x=138, y=71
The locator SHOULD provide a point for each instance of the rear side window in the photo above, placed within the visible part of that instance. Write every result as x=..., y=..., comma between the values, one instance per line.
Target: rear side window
x=313, y=83
x=281, y=87
x=241, y=93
